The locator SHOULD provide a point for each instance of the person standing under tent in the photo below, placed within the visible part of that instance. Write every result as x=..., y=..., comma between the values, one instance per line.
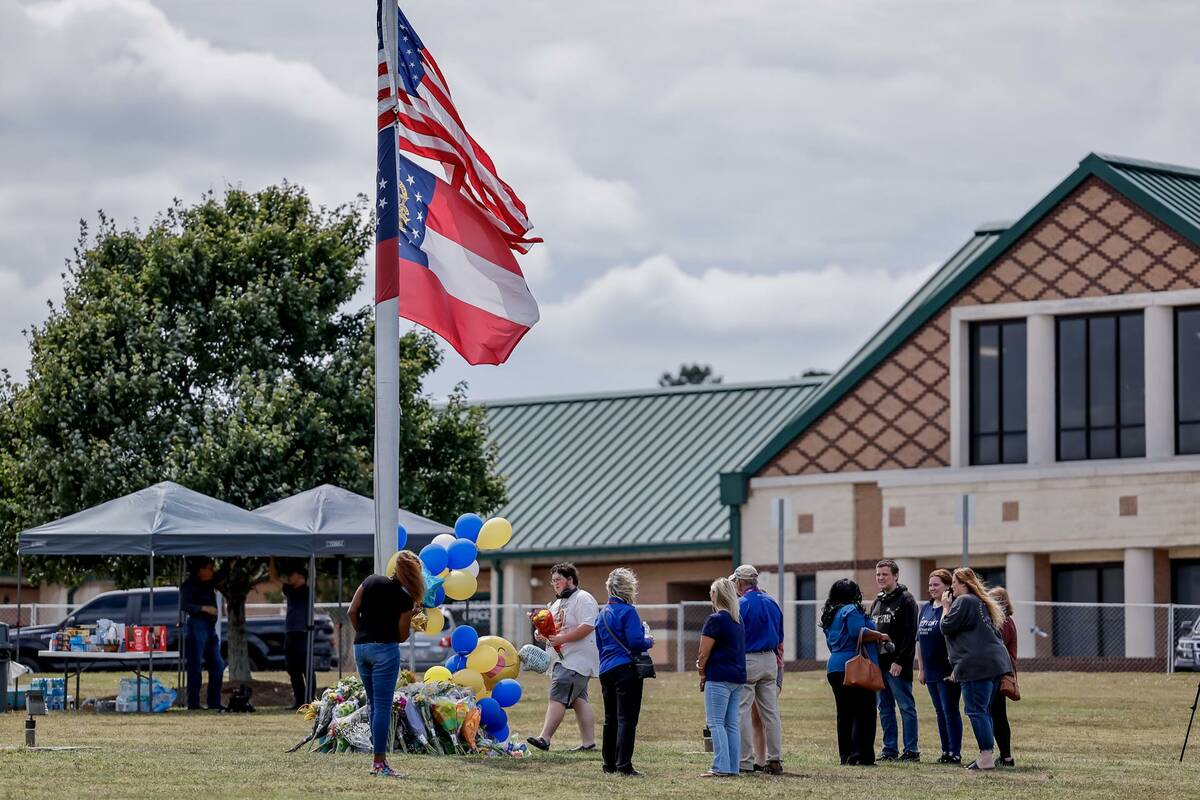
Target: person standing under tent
x=198, y=599
x=294, y=585
x=381, y=616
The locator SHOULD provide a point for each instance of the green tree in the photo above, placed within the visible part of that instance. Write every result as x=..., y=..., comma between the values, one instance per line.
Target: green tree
x=217, y=349
x=689, y=374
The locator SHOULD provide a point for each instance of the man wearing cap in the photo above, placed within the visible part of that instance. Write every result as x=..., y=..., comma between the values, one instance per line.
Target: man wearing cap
x=762, y=620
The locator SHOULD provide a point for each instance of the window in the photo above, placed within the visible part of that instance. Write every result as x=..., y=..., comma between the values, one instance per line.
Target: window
x=806, y=616
x=991, y=576
x=1187, y=381
x=1185, y=584
x=1093, y=631
x=113, y=606
x=1101, y=387
x=998, y=392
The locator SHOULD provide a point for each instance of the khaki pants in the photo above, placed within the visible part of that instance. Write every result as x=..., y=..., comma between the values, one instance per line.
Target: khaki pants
x=761, y=689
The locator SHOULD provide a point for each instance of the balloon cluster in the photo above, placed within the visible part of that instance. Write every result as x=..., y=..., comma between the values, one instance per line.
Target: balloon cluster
x=488, y=665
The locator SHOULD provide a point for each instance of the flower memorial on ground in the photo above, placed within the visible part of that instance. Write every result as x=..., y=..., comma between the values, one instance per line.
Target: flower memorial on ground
x=453, y=709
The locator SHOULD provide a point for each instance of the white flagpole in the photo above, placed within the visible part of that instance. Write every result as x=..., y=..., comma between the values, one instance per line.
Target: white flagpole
x=387, y=378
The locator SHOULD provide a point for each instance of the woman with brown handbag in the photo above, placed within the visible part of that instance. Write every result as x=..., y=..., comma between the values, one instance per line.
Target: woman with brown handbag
x=847, y=628
x=1008, y=633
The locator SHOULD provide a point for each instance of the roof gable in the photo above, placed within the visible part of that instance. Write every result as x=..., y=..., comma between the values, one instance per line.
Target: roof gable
x=1169, y=194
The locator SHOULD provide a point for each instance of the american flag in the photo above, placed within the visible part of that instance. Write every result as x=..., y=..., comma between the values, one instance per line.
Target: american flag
x=415, y=95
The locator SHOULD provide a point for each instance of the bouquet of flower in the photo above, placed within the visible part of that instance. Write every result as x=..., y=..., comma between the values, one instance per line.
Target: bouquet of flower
x=543, y=623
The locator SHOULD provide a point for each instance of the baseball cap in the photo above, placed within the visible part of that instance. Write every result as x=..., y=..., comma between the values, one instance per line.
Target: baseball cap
x=746, y=572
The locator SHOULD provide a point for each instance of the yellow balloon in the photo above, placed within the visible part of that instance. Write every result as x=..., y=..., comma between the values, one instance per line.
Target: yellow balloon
x=483, y=694
x=482, y=658
x=494, y=534
x=468, y=678
x=460, y=585
x=437, y=673
x=436, y=621
x=443, y=573
x=512, y=661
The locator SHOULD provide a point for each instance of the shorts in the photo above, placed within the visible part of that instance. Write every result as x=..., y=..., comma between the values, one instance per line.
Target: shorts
x=567, y=686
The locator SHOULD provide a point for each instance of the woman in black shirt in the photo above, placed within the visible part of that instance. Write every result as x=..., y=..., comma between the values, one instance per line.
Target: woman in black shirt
x=381, y=613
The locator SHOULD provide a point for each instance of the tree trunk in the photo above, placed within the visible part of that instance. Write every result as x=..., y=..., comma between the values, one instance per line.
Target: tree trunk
x=237, y=589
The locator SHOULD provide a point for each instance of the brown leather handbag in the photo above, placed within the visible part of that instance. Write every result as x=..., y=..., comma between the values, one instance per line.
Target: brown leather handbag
x=862, y=672
x=1009, y=686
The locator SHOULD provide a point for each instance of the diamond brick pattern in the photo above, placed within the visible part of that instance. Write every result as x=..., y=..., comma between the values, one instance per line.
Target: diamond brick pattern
x=1095, y=242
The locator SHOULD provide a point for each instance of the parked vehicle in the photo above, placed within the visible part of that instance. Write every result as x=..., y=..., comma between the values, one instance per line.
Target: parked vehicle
x=430, y=649
x=264, y=635
x=1187, y=646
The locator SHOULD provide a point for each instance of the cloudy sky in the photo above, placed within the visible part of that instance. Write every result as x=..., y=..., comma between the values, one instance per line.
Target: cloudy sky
x=756, y=185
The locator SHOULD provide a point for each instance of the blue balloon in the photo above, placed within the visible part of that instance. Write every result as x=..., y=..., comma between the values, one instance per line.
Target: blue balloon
x=464, y=640
x=434, y=557
x=401, y=537
x=456, y=662
x=467, y=527
x=439, y=594
x=501, y=735
x=435, y=595
x=507, y=692
x=461, y=554
x=491, y=715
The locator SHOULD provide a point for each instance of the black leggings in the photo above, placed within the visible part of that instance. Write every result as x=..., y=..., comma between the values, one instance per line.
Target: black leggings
x=1002, y=731
x=295, y=654
x=855, y=721
x=622, y=690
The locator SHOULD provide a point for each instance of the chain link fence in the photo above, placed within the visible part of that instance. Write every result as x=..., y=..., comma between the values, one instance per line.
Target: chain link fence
x=1084, y=637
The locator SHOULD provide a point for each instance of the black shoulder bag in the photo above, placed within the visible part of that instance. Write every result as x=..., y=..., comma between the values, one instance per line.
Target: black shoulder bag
x=643, y=664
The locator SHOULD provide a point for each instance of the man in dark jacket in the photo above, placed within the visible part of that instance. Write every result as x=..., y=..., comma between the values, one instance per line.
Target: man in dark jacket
x=895, y=613
x=198, y=599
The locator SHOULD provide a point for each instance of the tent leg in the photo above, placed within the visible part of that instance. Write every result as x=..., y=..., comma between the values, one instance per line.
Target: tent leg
x=310, y=676
x=180, y=639
x=150, y=691
x=17, y=680
x=338, y=627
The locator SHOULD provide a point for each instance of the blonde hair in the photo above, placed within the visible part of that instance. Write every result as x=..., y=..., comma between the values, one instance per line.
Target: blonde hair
x=1000, y=595
x=967, y=577
x=623, y=583
x=405, y=567
x=724, y=597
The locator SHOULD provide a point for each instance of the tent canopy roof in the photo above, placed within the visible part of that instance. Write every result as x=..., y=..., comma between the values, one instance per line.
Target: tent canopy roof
x=342, y=522
x=165, y=519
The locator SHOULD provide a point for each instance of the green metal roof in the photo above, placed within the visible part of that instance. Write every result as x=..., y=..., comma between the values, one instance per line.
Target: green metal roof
x=1169, y=193
x=631, y=471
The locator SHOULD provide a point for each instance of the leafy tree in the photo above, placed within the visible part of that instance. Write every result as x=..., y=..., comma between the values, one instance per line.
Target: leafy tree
x=689, y=374
x=217, y=350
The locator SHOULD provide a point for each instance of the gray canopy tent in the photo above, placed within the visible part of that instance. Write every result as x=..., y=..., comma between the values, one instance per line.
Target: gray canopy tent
x=342, y=523
x=163, y=519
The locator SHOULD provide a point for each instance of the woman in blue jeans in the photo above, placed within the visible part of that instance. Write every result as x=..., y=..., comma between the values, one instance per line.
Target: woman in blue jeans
x=722, y=668
x=972, y=621
x=933, y=669
x=381, y=615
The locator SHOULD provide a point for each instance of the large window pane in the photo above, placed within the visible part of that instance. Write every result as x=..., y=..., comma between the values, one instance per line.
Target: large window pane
x=1102, y=371
x=997, y=417
x=1072, y=373
x=1187, y=379
x=1132, y=357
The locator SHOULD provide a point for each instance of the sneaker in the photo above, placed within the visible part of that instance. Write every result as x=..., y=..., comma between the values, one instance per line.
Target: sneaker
x=630, y=773
x=582, y=748
x=774, y=768
x=886, y=757
x=909, y=755
x=539, y=742
x=955, y=760
x=1006, y=762
x=384, y=771
x=608, y=770
x=944, y=758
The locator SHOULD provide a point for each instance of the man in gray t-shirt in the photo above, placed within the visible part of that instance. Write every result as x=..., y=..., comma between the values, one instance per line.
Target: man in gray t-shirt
x=574, y=612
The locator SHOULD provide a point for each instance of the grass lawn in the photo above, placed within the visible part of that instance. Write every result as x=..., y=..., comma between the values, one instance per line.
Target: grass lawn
x=1075, y=736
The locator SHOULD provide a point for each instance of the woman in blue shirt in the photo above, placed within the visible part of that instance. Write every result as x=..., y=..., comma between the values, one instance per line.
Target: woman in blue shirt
x=933, y=669
x=722, y=667
x=842, y=619
x=620, y=636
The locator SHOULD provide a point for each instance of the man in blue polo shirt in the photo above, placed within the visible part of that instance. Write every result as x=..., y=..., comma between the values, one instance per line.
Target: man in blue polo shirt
x=762, y=620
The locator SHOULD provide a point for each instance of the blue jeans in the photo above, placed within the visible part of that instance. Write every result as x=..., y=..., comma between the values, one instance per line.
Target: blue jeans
x=977, y=702
x=203, y=647
x=379, y=666
x=944, y=695
x=722, y=711
x=897, y=691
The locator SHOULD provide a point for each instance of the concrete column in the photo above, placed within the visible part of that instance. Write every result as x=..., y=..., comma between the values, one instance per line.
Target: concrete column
x=1160, y=381
x=960, y=394
x=516, y=590
x=910, y=576
x=1020, y=576
x=496, y=600
x=1040, y=381
x=823, y=582
x=1139, y=589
